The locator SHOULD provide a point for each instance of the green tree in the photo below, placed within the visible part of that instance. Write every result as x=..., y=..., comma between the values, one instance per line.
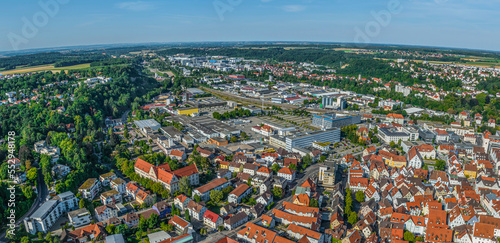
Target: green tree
x=25, y=239
x=408, y=236
x=110, y=229
x=186, y=215
x=234, y=139
x=313, y=203
x=275, y=167
x=184, y=184
x=292, y=166
x=353, y=218
x=32, y=174
x=440, y=164
x=277, y=192
x=153, y=221
x=392, y=144
x=216, y=196
x=81, y=203
x=360, y=196
x=197, y=198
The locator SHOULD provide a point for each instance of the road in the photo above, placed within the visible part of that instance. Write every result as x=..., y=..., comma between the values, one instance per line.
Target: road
x=124, y=117
x=43, y=192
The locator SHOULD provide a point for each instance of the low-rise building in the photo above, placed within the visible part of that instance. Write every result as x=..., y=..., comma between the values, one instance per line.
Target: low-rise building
x=90, y=188
x=79, y=217
x=239, y=193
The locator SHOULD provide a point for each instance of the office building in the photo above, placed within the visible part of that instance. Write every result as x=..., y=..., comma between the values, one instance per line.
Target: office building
x=306, y=140
x=328, y=121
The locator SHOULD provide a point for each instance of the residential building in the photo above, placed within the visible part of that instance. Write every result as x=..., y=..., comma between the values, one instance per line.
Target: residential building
x=49, y=212
x=79, y=217
x=90, y=188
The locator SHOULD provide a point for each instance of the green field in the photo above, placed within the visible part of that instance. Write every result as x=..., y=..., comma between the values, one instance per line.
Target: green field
x=42, y=68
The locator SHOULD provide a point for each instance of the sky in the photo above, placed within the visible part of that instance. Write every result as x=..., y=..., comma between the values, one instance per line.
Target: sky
x=472, y=24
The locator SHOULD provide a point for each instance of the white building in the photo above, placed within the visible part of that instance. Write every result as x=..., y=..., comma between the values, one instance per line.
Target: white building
x=50, y=211
x=79, y=217
x=90, y=188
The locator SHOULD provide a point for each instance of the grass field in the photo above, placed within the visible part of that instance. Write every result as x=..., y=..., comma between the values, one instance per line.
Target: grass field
x=44, y=68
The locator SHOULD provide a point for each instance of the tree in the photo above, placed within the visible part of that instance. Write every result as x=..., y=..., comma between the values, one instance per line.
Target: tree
x=32, y=174
x=353, y=218
x=292, y=166
x=197, y=198
x=153, y=221
x=81, y=203
x=392, y=144
x=313, y=203
x=249, y=181
x=275, y=167
x=440, y=164
x=184, y=184
x=234, y=139
x=244, y=135
x=277, y=192
x=48, y=237
x=408, y=236
x=142, y=223
x=110, y=229
x=186, y=215
x=25, y=239
x=216, y=196
x=125, y=133
x=360, y=196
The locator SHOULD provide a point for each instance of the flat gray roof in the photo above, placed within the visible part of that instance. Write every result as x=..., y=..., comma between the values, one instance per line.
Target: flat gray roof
x=146, y=123
x=42, y=210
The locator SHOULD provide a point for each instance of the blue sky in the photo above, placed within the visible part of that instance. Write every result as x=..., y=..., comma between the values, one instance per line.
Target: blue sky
x=447, y=23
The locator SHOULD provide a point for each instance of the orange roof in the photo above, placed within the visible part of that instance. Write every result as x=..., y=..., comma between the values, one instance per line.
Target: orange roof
x=434, y=234
x=143, y=165
x=176, y=220
x=226, y=240
x=308, y=183
x=395, y=116
x=257, y=233
x=177, y=153
x=303, y=231
x=302, y=198
x=286, y=170
x=186, y=171
x=387, y=155
x=181, y=198
x=437, y=217
x=92, y=229
x=483, y=230
x=240, y=190
x=294, y=218
x=209, y=186
x=264, y=169
x=300, y=209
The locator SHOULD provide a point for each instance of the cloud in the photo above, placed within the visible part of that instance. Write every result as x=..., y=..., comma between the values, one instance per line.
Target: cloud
x=135, y=6
x=293, y=8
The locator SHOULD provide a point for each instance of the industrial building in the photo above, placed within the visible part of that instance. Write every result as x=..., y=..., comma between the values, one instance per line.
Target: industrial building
x=146, y=126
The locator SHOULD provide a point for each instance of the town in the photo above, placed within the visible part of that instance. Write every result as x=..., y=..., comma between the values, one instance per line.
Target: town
x=196, y=148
